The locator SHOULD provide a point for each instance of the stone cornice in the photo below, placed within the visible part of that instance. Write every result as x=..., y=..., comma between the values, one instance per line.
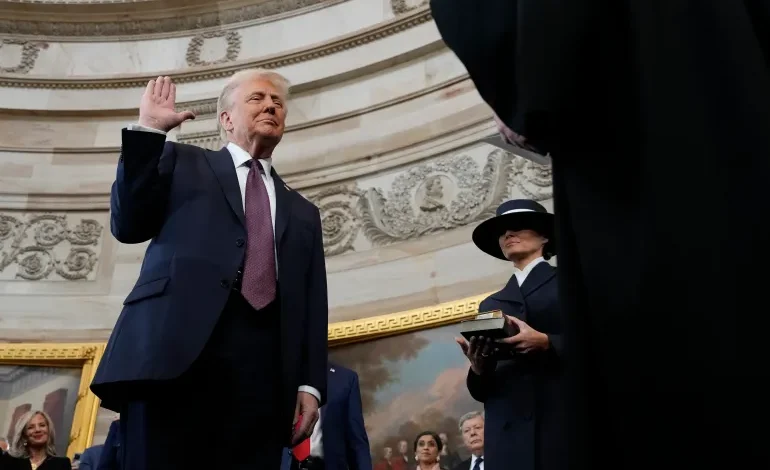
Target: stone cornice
x=121, y=21
x=334, y=46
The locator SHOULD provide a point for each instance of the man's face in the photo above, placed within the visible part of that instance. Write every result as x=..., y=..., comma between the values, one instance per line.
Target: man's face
x=3, y=446
x=256, y=112
x=473, y=435
x=402, y=447
x=444, y=438
x=520, y=243
x=388, y=453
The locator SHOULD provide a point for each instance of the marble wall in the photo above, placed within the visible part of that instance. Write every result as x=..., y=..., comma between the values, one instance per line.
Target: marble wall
x=384, y=134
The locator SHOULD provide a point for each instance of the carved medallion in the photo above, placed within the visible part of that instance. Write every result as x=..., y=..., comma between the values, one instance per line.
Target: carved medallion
x=232, y=47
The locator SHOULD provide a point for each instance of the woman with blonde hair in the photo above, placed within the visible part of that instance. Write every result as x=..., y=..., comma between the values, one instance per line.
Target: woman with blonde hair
x=33, y=446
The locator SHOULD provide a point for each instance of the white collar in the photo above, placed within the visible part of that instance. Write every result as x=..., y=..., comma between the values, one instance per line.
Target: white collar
x=528, y=268
x=474, y=457
x=241, y=156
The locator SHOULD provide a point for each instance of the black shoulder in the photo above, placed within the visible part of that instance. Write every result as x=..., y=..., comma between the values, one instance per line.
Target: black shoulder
x=187, y=148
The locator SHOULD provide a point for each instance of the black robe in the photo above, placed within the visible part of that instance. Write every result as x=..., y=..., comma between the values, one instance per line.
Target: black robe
x=657, y=116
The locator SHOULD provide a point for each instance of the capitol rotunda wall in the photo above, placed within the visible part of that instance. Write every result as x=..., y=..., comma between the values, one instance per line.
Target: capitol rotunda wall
x=384, y=134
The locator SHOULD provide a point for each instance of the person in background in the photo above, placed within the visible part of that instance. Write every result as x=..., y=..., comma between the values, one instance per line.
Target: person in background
x=3, y=445
x=33, y=446
x=402, y=460
x=231, y=302
x=111, y=458
x=89, y=459
x=472, y=430
x=384, y=462
x=449, y=457
x=523, y=393
x=427, y=447
x=339, y=439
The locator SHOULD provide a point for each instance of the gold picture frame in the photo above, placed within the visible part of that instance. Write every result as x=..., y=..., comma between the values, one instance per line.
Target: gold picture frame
x=84, y=356
x=365, y=329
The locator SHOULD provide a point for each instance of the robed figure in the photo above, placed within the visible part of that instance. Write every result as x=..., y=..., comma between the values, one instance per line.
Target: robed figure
x=657, y=117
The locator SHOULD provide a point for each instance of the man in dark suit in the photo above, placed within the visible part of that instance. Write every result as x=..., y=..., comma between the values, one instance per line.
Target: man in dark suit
x=111, y=457
x=472, y=430
x=522, y=392
x=657, y=116
x=230, y=308
x=89, y=459
x=339, y=440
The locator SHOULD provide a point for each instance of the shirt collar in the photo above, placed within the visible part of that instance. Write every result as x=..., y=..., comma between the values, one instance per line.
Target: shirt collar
x=528, y=268
x=475, y=457
x=241, y=156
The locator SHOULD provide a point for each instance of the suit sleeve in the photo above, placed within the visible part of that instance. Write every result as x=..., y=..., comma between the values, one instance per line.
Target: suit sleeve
x=316, y=332
x=479, y=385
x=87, y=461
x=359, y=456
x=140, y=192
x=109, y=458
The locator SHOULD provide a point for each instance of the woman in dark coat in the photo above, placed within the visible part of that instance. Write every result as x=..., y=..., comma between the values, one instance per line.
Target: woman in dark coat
x=522, y=393
x=33, y=446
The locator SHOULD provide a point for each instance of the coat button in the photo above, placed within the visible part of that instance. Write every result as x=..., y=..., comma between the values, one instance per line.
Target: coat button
x=224, y=283
x=239, y=242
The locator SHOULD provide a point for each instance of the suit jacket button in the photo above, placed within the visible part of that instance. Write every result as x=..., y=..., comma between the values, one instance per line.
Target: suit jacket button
x=239, y=242
x=224, y=283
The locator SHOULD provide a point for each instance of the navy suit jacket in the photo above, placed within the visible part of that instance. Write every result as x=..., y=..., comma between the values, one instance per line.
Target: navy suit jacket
x=111, y=457
x=89, y=460
x=345, y=443
x=187, y=201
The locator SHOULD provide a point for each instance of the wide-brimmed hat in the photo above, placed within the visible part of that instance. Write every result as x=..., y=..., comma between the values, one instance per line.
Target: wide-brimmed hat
x=516, y=214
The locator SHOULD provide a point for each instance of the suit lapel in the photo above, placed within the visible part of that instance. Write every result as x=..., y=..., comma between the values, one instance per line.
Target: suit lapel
x=540, y=274
x=510, y=293
x=221, y=163
x=283, y=201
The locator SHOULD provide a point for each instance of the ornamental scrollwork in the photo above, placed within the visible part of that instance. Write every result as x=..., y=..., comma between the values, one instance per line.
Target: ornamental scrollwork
x=29, y=53
x=340, y=220
x=440, y=195
x=233, y=48
x=46, y=247
x=403, y=6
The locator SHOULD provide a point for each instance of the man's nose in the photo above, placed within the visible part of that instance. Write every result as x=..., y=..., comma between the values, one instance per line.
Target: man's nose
x=270, y=108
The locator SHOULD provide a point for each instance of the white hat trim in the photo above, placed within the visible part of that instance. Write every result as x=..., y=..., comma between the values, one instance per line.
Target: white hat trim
x=517, y=210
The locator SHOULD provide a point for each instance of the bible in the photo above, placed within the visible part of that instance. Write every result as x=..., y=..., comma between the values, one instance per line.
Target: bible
x=492, y=325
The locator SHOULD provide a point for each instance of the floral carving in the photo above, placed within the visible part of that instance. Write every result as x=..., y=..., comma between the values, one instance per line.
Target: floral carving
x=43, y=244
x=436, y=196
x=403, y=6
x=232, y=38
x=29, y=52
x=340, y=220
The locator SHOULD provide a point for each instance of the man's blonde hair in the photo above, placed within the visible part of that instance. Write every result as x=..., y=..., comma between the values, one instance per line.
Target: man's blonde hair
x=225, y=101
x=19, y=448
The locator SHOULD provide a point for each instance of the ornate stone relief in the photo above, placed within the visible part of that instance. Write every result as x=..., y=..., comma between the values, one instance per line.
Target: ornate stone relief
x=403, y=6
x=431, y=197
x=29, y=52
x=48, y=247
x=233, y=48
x=134, y=27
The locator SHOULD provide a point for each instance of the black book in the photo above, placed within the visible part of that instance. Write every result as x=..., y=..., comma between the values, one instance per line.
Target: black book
x=488, y=325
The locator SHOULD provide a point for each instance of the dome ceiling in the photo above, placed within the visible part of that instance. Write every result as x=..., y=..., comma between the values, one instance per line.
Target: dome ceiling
x=116, y=19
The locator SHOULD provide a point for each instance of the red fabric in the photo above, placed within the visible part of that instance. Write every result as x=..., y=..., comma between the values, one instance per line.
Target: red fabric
x=302, y=450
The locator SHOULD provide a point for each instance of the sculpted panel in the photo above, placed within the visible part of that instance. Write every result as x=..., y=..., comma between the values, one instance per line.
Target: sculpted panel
x=51, y=247
x=232, y=47
x=18, y=55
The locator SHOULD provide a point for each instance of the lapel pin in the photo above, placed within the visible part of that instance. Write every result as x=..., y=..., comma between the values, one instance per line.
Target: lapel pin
x=332, y=369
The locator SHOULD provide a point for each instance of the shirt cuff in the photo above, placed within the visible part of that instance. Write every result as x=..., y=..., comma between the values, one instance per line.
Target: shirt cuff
x=311, y=390
x=137, y=127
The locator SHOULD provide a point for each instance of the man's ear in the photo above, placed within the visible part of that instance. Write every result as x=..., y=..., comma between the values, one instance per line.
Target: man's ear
x=224, y=121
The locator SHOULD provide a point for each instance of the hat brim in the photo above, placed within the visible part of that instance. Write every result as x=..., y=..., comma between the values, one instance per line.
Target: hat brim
x=486, y=236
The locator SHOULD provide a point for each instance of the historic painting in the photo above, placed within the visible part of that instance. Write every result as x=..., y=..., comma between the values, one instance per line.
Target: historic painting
x=410, y=383
x=51, y=389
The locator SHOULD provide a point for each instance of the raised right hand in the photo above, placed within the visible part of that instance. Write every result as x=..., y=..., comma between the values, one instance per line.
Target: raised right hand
x=156, y=110
x=479, y=353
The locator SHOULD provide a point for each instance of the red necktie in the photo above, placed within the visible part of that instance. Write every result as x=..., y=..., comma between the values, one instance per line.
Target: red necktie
x=258, y=285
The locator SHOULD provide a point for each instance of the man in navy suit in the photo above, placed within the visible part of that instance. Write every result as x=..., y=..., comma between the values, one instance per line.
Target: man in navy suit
x=339, y=440
x=229, y=315
x=110, y=458
x=89, y=460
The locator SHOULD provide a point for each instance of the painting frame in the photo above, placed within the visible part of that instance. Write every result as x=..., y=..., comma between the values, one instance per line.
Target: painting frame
x=408, y=321
x=83, y=356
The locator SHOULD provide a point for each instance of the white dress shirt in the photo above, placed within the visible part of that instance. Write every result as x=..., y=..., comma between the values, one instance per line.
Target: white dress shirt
x=474, y=458
x=316, y=439
x=521, y=276
x=240, y=157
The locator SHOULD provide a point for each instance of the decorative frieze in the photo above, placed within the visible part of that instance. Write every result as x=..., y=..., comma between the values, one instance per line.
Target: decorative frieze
x=28, y=53
x=51, y=247
x=232, y=48
x=404, y=6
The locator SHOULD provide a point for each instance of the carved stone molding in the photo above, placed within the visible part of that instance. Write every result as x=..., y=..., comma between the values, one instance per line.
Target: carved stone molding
x=431, y=197
x=403, y=6
x=48, y=247
x=123, y=25
x=29, y=52
x=369, y=35
x=233, y=48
